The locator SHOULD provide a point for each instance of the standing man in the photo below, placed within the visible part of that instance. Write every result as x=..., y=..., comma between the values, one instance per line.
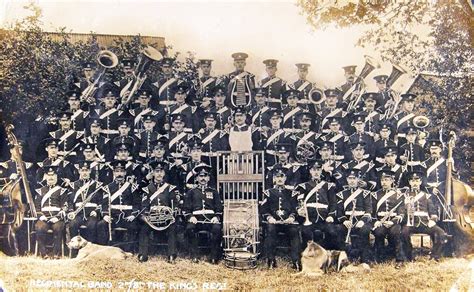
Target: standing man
x=164, y=84
x=206, y=82
x=275, y=85
x=304, y=86
x=240, y=83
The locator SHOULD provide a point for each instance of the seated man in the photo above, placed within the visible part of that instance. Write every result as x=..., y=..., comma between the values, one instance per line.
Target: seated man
x=388, y=211
x=203, y=210
x=50, y=205
x=279, y=210
x=158, y=194
x=421, y=217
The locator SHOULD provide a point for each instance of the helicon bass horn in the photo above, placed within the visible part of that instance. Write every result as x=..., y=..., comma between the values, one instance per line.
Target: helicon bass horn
x=316, y=95
x=107, y=60
x=397, y=71
x=160, y=217
x=421, y=122
x=370, y=65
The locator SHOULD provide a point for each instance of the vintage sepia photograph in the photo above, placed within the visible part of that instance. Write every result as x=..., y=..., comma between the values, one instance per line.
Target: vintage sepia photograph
x=207, y=145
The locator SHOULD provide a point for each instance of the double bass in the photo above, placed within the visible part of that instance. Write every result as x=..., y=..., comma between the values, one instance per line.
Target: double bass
x=456, y=218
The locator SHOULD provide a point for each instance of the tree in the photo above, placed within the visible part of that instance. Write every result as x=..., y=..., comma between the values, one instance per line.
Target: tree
x=424, y=36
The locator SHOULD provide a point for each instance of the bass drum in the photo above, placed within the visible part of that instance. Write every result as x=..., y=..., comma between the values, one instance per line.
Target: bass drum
x=241, y=228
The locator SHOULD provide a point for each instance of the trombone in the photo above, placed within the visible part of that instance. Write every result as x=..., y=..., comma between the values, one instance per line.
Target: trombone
x=107, y=60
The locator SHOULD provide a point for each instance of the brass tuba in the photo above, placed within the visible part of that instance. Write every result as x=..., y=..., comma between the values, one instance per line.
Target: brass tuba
x=316, y=96
x=397, y=71
x=160, y=217
x=421, y=122
x=354, y=94
x=370, y=65
x=107, y=60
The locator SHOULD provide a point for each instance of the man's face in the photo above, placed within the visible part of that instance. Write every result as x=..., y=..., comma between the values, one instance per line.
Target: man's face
x=411, y=137
x=292, y=101
x=109, y=101
x=65, y=123
x=331, y=101
x=127, y=70
x=84, y=173
x=158, y=152
x=352, y=181
x=196, y=154
x=51, y=179
x=305, y=124
x=88, y=73
x=52, y=150
x=206, y=69
x=390, y=159
x=408, y=106
x=210, y=123
x=415, y=183
x=180, y=97
x=279, y=180
x=239, y=65
x=350, y=77
x=219, y=99
x=334, y=127
x=239, y=119
x=381, y=86
x=122, y=154
x=89, y=155
x=95, y=129
x=358, y=153
x=178, y=126
x=149, y=125
x=386, y=182
x=143, y=101
x=119, y=174
x=73, y=103
x=315, y=172
x=123, y=130
x=260, y=99
x=370, y=104
x=359, y=127
x=435, y=151
x=283, y=156
x=275, y=122
x=302, y=74
x=167, y=70
x=203, y=179
x=325, y=153
x=158, y=175
x=271, y=70
x=385, y=134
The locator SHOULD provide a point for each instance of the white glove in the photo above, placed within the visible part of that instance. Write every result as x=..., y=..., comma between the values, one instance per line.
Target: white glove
x=13, y=176
x=347, y=223
x=53, y=220
x=214, y=220
x=359, y=224
x=130, y=218
x=290, y=220
x=388, y=224
x=301, y=211
x=93, y=214
x=431, y=223
x=329, y=219
x=271, y=220
x=107, y=219
x=434, y=217
x=193, y=220
x=43, y=218
x=377, y=224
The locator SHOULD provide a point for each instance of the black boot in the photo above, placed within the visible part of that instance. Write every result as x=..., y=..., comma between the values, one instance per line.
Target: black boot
x=272, y=264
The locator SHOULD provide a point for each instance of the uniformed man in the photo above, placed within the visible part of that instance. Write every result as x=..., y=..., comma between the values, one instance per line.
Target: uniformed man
x=331, y=108
x=279, y=211
x=360, y=134
x=331, y=167
x=240, y=135
x=50, y=206
x=354, y=211
x=411, y=154
x=147, y=136
x=98, y=167
x=159, y=154
x=206, y=83
x=307, y=138
x=384, y=140
x=223, y=113
x=337, y=137
x=178, y=137
x=388, y=208
x=65, y=168
x=295, y=172
x=317, y=207
x=88, y=71
x=291, y=110
x=404, y=118
x=351, y=78
x=94, y=136
x=108, y=112
x=372, y=114
x=362, y=162
x=260, y=111
x=68, y=137
x=275, y=85
x=420, y=217
x=125, y=136
x=213, y=139
x=203, y=208
x=83, y=203
x=240, y=83
x=390, y=159
x=303, y=85
x=158, y=194
x=120, y=205
x=273, y=136
x=79, y=114
x=132, y=169
x=127, y=65
x=189, y=113
x=165, y=97
x=143, y=108
x=385, y=94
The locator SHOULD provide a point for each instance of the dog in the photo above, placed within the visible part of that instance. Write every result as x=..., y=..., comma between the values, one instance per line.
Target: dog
x=89, y=250
x=316, y=261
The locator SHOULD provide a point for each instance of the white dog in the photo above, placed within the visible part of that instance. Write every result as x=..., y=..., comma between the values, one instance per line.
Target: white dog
x=89, y=250
x=315, y=260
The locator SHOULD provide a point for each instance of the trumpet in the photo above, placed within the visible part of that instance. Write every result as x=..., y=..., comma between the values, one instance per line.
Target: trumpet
x=107, y=60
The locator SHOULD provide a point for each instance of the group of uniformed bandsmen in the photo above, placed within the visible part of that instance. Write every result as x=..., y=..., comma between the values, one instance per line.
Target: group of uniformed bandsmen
x=367, y=169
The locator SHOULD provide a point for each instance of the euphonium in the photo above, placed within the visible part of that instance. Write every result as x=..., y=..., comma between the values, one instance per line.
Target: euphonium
x=421, y=122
